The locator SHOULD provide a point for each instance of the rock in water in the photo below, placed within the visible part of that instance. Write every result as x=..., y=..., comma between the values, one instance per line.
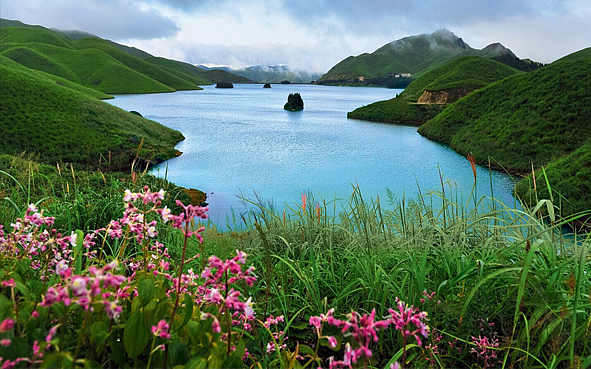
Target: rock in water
x=224, y=85
x=294, y=102
x=267, y=85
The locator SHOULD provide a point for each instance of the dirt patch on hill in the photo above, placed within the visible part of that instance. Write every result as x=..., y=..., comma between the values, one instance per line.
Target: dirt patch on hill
x=443, y=96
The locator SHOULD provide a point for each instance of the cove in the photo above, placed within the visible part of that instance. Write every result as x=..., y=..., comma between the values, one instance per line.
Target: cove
x=241, y=141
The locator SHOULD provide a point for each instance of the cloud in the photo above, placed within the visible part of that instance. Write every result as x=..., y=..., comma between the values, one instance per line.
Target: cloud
x=312, y=34
x=113, y=19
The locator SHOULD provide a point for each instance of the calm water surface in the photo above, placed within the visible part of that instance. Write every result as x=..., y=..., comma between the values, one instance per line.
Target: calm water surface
x=240, y=141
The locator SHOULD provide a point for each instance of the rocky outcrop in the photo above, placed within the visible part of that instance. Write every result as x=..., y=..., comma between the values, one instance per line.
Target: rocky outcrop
x=267, y=85
x=224, y=85
x=294, y=102
x=443, y=96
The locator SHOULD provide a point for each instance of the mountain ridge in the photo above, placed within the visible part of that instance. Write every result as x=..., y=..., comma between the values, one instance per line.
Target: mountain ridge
x=410, y=56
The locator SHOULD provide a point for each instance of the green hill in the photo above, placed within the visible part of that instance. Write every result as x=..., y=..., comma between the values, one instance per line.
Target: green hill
x=413, y=55
x=140, y=65
x=43, y=116
x=467, y=73
x=433, y=89
x=532, y=117
x=569, y=176
x=56, y=79
x=541, y=118
x=584, y=54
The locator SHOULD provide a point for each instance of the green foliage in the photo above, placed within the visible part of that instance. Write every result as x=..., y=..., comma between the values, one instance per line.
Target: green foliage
x=294, y=102
x=528, y=118
x=41, y=116
x=78, y=199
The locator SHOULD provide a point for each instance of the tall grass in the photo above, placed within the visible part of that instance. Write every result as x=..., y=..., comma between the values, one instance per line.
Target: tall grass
x=516, y=269
x=509, y=272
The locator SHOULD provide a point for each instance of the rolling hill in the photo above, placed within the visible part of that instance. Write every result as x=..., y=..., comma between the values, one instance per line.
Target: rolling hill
x=101, y=64
x=60, y=121
x=412, y=55
x=541, y=118
x=426, y=96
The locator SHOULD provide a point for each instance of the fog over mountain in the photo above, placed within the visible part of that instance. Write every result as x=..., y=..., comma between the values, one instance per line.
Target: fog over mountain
x=269, y=73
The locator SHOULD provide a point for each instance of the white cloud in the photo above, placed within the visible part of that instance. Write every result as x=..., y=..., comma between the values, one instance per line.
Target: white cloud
x=312, y=34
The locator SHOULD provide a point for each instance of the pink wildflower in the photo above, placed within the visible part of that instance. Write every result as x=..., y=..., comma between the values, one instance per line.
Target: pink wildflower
x=161, y=329
x=6, y=325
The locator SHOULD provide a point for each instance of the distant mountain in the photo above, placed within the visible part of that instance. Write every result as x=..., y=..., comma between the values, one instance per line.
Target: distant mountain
x=270, y=73
x=101, y=64
x=412, y=56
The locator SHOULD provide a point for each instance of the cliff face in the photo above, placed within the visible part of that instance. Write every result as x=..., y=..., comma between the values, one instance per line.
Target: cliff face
x=443, y=96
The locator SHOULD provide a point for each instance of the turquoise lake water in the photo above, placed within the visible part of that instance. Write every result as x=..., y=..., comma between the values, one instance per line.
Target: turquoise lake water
x=240, y=141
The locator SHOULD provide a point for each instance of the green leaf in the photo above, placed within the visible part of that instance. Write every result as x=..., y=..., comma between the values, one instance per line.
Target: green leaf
x=78, y=251
x=98, y=333
x=146, y=291
x=306, y=350
x=188, y=311
x=58, y=360
x=136, y=335
x=178, y=353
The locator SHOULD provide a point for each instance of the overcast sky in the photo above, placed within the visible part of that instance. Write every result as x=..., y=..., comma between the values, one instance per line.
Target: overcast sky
x=311, y=35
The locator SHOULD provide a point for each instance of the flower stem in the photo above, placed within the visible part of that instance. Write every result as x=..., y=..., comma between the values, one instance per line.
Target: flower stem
x=178, y=288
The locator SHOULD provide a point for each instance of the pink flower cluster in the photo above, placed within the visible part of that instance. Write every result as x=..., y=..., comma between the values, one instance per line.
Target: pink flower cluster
x=161, y=330
x=485, y=350
x=364, y=330
x=99, y=287
x=409, y=321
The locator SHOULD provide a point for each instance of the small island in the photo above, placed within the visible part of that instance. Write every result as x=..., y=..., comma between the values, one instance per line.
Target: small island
x=294, y=102
x=267, y=85
x=286, y=82
x=224, y=85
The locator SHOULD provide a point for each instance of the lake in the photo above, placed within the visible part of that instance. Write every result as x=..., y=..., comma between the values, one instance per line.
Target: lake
x=240, y=141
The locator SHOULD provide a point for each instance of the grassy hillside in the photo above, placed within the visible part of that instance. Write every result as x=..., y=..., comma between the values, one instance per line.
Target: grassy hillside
x=397, y=110
x=469, y=73
x=60, y=124
x=459, y=76
x=139, y=65
x=584, y=54
x=569, y=176
x=53, y=78
x=93, y=62
x=532, y=117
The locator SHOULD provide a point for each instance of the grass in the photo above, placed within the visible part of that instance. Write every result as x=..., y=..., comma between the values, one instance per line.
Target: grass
x=505, y=266
x=78, y=199
x=496, y=271
x=61, y=124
